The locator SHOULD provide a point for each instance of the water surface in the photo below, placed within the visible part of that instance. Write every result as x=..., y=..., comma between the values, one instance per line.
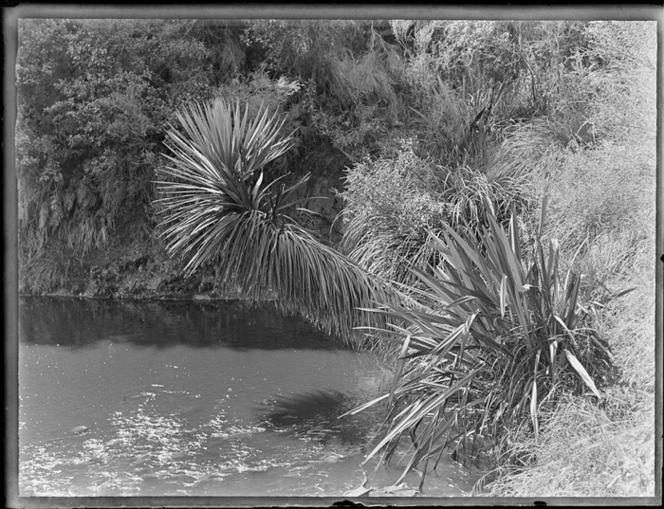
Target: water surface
x=179, y=398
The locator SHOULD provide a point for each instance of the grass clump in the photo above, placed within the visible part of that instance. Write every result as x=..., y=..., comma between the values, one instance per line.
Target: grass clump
x=590, y=451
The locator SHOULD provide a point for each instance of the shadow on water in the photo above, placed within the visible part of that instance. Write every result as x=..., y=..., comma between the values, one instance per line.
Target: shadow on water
x=231, y=324
x=315, y=415
x=282, y=410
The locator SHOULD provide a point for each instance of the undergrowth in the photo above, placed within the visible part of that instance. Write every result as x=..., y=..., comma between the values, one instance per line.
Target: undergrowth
x=603, y=211
x=589, y=451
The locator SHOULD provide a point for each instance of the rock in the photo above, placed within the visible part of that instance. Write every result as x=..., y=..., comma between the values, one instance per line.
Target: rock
x=331, y=458
x=399, y=490
x=79, y=430
x=358, y=492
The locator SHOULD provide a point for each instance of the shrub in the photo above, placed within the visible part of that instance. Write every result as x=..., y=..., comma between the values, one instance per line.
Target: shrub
x=389, y=205
x=393, y=201
x=94, y=97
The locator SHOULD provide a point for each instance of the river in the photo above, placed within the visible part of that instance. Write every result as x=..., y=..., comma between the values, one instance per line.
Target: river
x=174, y=398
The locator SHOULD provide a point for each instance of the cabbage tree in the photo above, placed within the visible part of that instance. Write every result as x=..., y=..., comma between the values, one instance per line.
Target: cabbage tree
x=218, y=205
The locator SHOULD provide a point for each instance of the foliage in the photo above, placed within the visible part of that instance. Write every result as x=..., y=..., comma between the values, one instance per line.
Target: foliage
x=357, y=81
x=465, y=83
x=350, y=71
x=391, y=204
x=305, y=49
x=218, y=207
x=222, y=40
x=369, y=106
x=492, y=129
x=282, y=95
x=389, y=207
x=93, y=99
x=47, y=272
x=470, y=83
x=491, y=341
x=259, y=90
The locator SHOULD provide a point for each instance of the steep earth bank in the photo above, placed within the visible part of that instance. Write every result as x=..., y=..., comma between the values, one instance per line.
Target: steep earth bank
x=143, y=270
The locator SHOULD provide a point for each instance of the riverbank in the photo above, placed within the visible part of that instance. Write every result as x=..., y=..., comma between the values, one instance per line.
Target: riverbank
x=605, y=447
x=137, y=270
x=586, y=447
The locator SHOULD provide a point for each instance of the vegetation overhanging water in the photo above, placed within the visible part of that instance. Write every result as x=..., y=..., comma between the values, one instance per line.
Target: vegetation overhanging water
x=430, y=130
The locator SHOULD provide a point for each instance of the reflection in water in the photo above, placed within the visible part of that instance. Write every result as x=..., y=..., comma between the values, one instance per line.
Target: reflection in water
x=81, y=323
x=173, y=398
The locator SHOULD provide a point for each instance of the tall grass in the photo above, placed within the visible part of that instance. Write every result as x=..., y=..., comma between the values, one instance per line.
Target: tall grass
x=604, y=200
x=594, y=452
x=43, y=273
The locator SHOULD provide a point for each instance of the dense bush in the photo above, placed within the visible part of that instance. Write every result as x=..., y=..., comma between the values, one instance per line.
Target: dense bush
x=393, y=203
x=496, y=107
x=575, y=123
x=94, y=99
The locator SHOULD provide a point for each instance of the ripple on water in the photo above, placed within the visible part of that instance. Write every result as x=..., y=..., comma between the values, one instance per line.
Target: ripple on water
x=146, y=453
x=143, y=451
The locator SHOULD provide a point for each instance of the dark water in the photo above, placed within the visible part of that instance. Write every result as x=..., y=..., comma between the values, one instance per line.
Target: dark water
x=186, y=399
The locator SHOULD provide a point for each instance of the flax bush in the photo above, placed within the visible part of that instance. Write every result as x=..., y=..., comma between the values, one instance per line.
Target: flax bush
x=494, y=338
